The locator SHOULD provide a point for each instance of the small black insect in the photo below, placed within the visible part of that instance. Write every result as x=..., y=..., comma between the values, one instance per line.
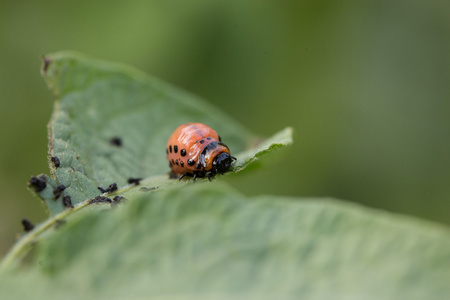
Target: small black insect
x=55, y=161
x=146, y=189
x=59, y=223
x=111, y=188
x=116, y=200
x=39, y=183
x=100, y=199
x=119, y=199
x=116, y=141
x=27, y=225
x=58, y=190
x=67, y=202
x=45, y=63
x=135, y=181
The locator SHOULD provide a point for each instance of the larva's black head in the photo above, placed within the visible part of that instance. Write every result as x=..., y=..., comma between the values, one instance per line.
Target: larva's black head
x=221, y=163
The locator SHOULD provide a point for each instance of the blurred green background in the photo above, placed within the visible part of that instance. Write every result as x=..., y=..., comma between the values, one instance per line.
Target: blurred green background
x=365, y=84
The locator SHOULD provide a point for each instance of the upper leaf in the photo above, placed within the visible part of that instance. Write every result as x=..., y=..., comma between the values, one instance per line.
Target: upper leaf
x=111, y=122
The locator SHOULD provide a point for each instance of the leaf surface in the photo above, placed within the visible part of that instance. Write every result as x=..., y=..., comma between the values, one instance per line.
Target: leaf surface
x=112, y=122
x=208, y=241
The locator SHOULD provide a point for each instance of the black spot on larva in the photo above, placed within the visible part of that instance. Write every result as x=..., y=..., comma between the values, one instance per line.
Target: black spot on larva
x=116, y=141
x=135, y=181
x=173, y=162
x=176, y=162
x=202, y=141
x=209, y=138
x=111, y=188
x=58, y=190
x=38, y=183
x=27, y=225
x=175, y=149
x=67, y=202
x=220, y=139
x=55, y=161
x=170, y=148
x=183, y=152
x=181, y=163
x=191, y=162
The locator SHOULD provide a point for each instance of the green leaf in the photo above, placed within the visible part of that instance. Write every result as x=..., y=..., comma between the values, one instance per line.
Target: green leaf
x=280, y=139
x=111, y=122
x=98, y=101
x=208, y=241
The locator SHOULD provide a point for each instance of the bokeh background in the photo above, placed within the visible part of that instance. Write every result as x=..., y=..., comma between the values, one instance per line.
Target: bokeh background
x=365, y=84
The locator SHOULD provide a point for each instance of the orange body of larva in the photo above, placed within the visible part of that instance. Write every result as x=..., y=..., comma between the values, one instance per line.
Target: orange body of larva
x=193, y=150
